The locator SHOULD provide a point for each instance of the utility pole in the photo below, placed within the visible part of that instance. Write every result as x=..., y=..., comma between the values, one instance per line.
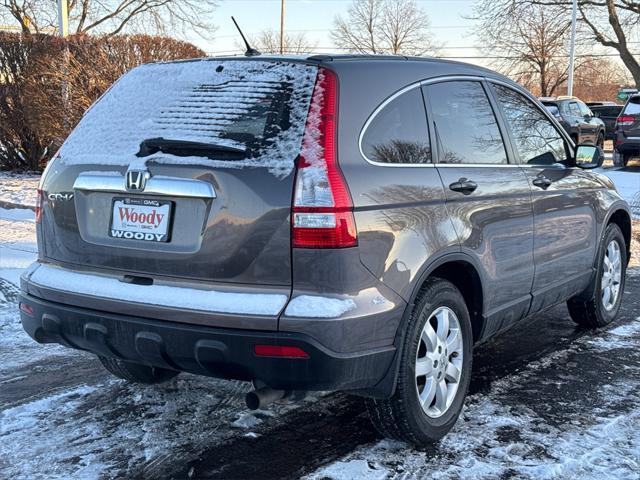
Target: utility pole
x=63, y=18
x=63, y=29
x=282, y=27
x=572, y=47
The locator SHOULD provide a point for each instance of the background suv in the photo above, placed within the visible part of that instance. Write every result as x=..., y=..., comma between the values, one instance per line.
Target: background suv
x=329, y=223
x=608, y=114
x=577, y=119
x=627, y=131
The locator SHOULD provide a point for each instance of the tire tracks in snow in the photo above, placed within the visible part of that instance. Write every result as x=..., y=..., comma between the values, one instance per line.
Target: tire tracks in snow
x=312, y=436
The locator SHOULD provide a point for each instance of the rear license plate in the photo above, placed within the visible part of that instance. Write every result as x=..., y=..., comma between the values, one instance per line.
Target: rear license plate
x=140, y=219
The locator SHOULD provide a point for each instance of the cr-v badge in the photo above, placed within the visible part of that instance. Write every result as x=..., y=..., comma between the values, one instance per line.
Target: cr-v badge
x=60, y=196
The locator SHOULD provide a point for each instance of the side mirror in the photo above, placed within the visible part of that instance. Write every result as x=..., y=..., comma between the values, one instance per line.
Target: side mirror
x=587, y=117
x=589, y=156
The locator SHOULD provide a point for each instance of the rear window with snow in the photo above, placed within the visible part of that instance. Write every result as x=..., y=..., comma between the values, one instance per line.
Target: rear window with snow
x=251, y=113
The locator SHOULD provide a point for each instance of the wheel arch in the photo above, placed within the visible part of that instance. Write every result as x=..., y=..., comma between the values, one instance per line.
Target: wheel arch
x=622, y=218
x=457, y=268
x=453, y=267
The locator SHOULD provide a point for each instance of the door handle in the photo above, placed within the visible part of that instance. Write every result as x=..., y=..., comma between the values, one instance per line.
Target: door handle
x=542, y=182
x=463, y=186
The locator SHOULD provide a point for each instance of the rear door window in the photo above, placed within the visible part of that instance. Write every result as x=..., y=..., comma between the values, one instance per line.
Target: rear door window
x=536, y=139
x=466, y=128
x=398, y=132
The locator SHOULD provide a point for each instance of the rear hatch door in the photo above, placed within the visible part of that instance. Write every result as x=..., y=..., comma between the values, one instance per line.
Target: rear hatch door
x=183, y=170
x=631, y=116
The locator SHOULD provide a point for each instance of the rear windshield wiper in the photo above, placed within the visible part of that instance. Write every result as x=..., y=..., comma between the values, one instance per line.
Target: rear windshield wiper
x=188, y=148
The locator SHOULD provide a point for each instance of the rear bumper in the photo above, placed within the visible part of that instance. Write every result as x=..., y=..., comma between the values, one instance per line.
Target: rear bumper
x=626, y=144
x=217, y=352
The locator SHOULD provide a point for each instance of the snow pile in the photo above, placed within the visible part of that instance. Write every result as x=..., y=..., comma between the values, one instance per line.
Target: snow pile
x=353, y=470
x=246, y=420
x=17, y=242
x=318, y=307
x=18, y=189
x=177, y=297
x=195, y=101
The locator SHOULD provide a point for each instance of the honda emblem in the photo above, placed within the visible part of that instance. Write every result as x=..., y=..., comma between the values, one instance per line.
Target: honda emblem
x=137, y=179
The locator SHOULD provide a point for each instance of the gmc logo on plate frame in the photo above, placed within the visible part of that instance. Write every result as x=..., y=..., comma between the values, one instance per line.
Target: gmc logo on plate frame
x=136, y=180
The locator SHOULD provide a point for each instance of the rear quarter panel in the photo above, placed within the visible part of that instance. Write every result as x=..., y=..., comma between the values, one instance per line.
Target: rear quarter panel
x=400, y=211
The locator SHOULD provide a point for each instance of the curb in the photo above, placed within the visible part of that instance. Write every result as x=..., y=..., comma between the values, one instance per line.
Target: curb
x=10, y=205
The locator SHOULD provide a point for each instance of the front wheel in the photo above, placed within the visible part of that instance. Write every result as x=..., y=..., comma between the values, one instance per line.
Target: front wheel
x=600, y=141
x=435, y=369
x=603, y=308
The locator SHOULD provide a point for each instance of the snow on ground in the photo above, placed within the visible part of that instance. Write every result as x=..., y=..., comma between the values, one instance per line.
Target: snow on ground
x=17, y=242
x=628, y=185
x=18, y=189
x=17, y=251
x=498, y=435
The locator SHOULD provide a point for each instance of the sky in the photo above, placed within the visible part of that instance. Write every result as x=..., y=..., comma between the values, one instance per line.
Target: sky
x=315, y=18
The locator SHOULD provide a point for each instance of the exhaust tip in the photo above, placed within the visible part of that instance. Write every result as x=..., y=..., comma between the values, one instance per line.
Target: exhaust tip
x=252, y=400
x=262, y=397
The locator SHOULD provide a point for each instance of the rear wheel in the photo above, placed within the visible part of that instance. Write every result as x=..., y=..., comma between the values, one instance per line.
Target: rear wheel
x=603, y=308
x=435, y=369
x=135, y=372
x=626, y=158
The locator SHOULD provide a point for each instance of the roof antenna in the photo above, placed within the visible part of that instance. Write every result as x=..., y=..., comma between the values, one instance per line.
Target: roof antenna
x=251, y=52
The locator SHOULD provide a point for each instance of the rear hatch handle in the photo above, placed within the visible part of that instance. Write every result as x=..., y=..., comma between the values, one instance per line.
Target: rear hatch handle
x=164, y=186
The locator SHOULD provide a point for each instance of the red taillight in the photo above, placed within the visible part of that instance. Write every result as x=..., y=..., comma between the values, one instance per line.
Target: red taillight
x=39, y=206
x=279, y=351
x=322, y=206
x=26, y=308
x=624, y=121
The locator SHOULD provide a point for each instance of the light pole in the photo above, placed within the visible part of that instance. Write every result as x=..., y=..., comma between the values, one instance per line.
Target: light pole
x=282, y=26
x=63, y=29
x=572, y=47
x=63, y=18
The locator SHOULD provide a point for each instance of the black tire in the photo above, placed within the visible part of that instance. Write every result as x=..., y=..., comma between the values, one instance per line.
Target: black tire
x=401, y=417
x=135, y=372
x=626, y=158
x=600, y=141
x=592, y=313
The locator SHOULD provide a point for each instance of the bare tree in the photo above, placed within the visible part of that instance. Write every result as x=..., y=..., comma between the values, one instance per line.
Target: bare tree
x=527, y=42
x=110, y=17
x=384, y=26
x=31, y=15
x=623, y=18
x=600, y=79
x=611, y=23
x=268, y=41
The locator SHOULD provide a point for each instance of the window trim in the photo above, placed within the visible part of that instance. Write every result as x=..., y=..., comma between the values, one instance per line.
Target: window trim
x=559, y=129
x=499, y=113
x=375, y=113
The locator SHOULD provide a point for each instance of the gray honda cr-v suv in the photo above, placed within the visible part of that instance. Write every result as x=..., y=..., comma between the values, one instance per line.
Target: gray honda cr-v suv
x=327, y=223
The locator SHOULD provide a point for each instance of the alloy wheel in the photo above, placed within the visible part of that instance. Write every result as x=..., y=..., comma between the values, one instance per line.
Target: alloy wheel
x=439, y=362
x=611, y=275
